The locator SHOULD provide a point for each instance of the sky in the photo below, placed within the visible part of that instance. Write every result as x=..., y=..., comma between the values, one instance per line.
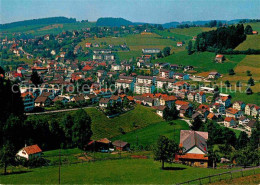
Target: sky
x=150, y=11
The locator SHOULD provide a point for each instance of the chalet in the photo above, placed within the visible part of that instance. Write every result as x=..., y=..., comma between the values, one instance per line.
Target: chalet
x=239, y=105
x=200, y=97
x=179, y=103
x=181, y=85
x=219, y=58
x=230, y=122
x=42, y=101
x=103, y=145
x=61, y=99
x=97, y=57
x=204, y=110
x=47, y=37
x=166, y=73
x=92, y=98
x=29, y=152
x=115, y=67
x=255, y=32
x=159, y=109
x=185, y=110
x=252, y=110
x=217, y=108
x=88, y=45
x=121, y=145
x=151, y=51
x=167, y=100
x=28, y=101
x=115, y=99
x=191, y=96
x=181, y=76
x=194, y=144
x=179, y=44
x=103, y=102
x=213, y=75
x=243, y=120
x=79, y=98
x=53, y=52
x=250, y=125
x=109, y=57
x=141, y=88
x=225, y=100
x=188, y=68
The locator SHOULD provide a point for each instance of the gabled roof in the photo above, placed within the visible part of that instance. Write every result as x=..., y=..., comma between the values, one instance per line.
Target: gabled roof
x=190, y=138
x=33, y=149
x=104, y=140
x=228, y=119
x=104, y=100
x=119, y=143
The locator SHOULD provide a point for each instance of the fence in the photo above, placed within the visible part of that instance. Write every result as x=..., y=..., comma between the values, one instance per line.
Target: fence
x=224, y=176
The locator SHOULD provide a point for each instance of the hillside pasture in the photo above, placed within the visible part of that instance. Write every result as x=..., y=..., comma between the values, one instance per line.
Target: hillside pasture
x=251, y=42
x=148, y=136
x=203, y=62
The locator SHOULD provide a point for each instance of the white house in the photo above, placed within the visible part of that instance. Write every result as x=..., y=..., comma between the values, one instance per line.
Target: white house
x=29, y=152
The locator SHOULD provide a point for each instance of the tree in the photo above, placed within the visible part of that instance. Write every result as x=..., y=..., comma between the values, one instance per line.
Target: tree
x=190, y=48
x=159, y=55
x=81, y=129
x=247, y=156
x=67, y=123
x=219, y=24
x=160, y=27
x=254, y=139
x=248, y=73
x=249, y=91
x=196, y=124
x=35, y=78
x=165, y=150
x=7, y=155
x=166, y=51
x=251, y=81
x=170, y=113
x=242, y=140
x=214, y=154
x=213, y=23
x=227, y=83
x=231, y=72
x=248, y=30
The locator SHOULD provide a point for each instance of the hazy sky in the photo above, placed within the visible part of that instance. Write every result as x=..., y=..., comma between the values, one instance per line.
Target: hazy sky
x=151, y=11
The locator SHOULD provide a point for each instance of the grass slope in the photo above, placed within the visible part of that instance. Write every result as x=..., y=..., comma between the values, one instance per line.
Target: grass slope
x=124, y=171
x=106, y=127
x=252, y=42
x=203, y=61
x=149, y=135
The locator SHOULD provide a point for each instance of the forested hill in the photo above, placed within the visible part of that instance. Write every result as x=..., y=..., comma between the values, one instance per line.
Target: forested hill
x=50, y=20
x=113, y=22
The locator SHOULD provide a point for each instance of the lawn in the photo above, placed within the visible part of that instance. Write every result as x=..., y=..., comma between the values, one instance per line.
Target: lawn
x=126, y=55
x=149, y=135
x=109, y=127
x=123, y=171
x=203, y=61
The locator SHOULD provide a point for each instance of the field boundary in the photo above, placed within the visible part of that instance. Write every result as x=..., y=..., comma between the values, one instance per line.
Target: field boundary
x=220, y=175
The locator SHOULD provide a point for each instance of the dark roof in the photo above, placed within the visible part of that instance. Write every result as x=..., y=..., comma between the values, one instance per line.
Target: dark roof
x=104, y=100
x=189, y=139
x=119, y=143
x=41, y=99
x=251, y=123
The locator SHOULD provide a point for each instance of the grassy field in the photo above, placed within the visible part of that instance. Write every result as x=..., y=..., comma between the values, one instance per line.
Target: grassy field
x=203, y=61
x=252, y=179
x=106, y=127
x=44, y=29
x=251, y=63
x=126, y=55
x=252, y=42
x=149, y=135
x=124, y=171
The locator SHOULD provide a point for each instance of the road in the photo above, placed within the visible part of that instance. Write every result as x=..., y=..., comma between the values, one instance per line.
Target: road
x=57, y=111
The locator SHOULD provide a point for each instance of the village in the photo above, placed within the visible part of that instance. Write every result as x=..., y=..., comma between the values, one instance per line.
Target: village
x=88, y=102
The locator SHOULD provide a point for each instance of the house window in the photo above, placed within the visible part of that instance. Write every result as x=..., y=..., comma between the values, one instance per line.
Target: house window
x=201, y=163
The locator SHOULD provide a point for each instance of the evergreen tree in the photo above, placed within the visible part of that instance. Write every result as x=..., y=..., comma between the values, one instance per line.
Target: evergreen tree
x=231, y=72
x=190, y=48
x=35, y=78
x=166, y=51
x=251, y=81
x=248, y=30
x=197, y=124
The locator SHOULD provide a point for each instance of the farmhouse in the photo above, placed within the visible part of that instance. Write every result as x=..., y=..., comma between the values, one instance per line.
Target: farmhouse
x=213, y=75
x=159, y=109
x=194, y=145
x=179, y=44
x=29, y=152
x=230, y=112
x=121, y=145
x=255, y=32
x=239, y=105
x=219, y=58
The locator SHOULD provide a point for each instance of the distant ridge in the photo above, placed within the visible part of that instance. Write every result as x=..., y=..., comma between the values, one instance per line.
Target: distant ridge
x=113, y=22
x=49, y=20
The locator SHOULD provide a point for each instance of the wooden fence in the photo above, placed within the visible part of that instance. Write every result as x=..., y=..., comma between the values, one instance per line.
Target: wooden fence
x=223, y=176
